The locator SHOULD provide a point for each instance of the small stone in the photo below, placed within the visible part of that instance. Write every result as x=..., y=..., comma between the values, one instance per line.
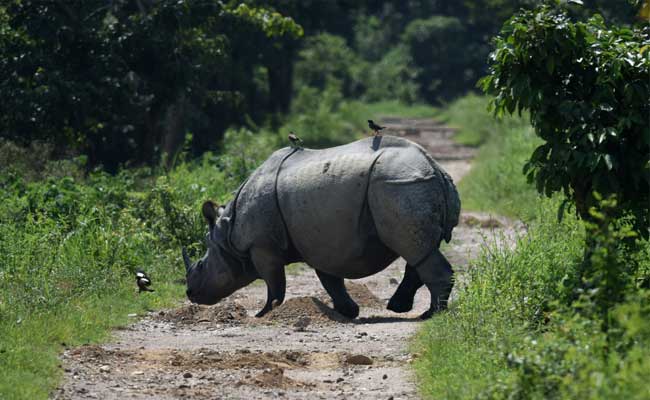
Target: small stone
x=105, y=369
x=384, y=377
x=393, y=281
x=183, y=386
x=339, y=380
x=391, y=398
x=137, y=373
x=187, y=375
x=327, y=381
x=359, y=359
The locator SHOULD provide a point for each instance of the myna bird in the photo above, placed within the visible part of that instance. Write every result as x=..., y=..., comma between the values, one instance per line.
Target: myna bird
x=295, y=140
x=375, y=127
x=143, y=281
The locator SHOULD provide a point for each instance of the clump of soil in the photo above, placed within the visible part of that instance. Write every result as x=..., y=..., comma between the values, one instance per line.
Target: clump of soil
x=227, y=312
x=363, y=296
x=272, y=378
x=488, y=223
x=304, y=308
x=207, y=359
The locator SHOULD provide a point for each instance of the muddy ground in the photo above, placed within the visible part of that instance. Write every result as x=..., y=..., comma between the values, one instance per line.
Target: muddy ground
x=301, y=350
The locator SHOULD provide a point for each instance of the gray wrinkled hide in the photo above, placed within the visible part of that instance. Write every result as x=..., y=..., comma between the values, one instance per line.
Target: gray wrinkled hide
x=348, y=210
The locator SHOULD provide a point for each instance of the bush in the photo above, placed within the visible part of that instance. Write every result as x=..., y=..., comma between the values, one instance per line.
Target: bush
x=68, y=251
x=327, y=60
x=586, y=86
x=438, y=48
x=323, y=118
x=394, y=76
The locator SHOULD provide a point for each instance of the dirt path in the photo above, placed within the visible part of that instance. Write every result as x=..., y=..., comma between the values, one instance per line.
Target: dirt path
x=303, y=350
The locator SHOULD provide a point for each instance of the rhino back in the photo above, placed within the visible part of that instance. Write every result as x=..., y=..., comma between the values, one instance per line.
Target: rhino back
x=322, y=196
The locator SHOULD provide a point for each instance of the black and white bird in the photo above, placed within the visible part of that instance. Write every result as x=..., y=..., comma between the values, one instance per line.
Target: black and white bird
x=295, y=140
x=375, y=127
x=143, y=281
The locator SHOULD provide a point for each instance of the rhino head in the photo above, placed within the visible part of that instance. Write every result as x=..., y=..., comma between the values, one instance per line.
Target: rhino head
x=218, y=273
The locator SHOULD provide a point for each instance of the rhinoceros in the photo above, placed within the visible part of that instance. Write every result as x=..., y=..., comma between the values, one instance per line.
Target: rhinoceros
x=347, y=211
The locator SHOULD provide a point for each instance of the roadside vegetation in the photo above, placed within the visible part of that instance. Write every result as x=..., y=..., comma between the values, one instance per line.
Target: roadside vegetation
x=104, y=162
x=71, y=240
x=566, y=312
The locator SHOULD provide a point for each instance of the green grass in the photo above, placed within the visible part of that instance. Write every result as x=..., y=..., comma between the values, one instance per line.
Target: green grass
x=394, y=108
x=496, y=182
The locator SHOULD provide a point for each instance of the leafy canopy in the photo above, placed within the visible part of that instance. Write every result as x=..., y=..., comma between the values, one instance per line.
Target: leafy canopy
x=587, y=88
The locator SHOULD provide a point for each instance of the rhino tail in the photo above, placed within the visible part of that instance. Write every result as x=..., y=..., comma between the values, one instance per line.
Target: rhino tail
x=452, y=211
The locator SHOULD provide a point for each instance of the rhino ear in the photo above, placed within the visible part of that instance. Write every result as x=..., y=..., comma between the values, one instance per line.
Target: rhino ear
x=209, y=213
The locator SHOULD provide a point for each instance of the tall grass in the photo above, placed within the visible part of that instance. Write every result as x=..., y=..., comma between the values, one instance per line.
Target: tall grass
x=495, y=182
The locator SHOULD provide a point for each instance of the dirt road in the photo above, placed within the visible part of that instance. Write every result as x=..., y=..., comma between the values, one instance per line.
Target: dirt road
x=302, y=350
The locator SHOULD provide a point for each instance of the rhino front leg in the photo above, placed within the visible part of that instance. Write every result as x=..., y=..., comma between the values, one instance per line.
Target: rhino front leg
x=335, y=287
x=436, y=273
x=271, y=270
x=402, y=300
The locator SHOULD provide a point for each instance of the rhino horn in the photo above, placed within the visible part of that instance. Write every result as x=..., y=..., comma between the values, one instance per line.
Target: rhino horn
x=186, y=259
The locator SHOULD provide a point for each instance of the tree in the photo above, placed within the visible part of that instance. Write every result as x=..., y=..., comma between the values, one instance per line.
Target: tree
x=125, y=80
x=587, y=88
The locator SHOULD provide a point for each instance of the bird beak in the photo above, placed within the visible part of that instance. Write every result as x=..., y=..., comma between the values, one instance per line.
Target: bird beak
x=186, y=260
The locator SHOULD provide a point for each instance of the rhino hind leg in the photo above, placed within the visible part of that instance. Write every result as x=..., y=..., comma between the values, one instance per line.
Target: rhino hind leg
x=437, y=274
x=402, y=300
x=335, y=287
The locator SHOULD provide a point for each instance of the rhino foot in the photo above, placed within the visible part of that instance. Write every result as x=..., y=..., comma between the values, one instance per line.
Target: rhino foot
x=400, y=305
x=350, y=310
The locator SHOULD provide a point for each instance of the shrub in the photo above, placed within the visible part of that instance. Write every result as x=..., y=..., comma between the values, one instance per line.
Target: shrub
x=326, y=60
x=394, y=76
x=437, y=46
x=586, y=86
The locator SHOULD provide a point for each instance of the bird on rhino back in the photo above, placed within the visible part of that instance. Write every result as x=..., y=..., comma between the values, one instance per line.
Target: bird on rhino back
x=347, y=211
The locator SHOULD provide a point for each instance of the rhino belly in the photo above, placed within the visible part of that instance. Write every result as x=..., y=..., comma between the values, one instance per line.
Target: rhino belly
x=323, y=204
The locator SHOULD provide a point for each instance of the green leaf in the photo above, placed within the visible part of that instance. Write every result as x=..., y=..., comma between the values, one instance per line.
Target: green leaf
x=550, y=65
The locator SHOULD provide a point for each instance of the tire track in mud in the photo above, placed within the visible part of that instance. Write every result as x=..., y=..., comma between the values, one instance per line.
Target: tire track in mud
x=301, y=350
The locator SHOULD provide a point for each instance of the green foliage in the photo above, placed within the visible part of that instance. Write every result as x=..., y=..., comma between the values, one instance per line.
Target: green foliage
x=610, y=271
x=586, y=87
x=69, y=247
x=508, y=295
x=513, y=333
x=574, y=359
x=547, y=318
x=126, y=81
x=370, y=36
x=476, y=126
x=244, y=151
x=438, y=48
x=394, y=76
x=495, y=182
x=324, y=118
x=327, y=60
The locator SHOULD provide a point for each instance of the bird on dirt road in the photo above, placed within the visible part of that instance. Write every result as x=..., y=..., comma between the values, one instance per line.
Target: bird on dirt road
x=295, y=140
x=302, y=323
x=375, y=127
x=143, y=281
